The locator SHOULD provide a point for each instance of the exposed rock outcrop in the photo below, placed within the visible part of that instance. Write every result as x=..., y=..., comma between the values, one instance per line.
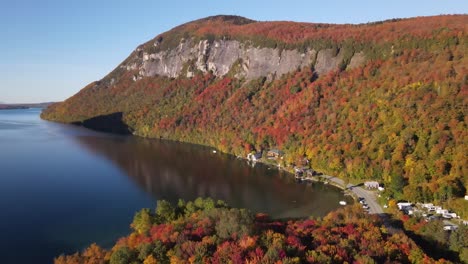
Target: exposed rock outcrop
x=220, y=56
x=327, y=60
x=357, y=60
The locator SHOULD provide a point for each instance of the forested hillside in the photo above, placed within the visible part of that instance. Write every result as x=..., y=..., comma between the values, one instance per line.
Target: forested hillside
x=391, y=107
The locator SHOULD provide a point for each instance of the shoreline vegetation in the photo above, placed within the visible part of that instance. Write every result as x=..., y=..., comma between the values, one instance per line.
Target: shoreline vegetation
x=24, y=106
x=12, y=107
x=208, y=231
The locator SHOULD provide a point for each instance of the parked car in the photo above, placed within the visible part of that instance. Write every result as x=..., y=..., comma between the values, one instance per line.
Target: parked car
x=450, y=227
x=432, y=218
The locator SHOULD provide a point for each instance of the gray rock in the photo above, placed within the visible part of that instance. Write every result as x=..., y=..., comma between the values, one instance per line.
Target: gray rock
x=357, y=60
x=220, y=56
x=327, y=62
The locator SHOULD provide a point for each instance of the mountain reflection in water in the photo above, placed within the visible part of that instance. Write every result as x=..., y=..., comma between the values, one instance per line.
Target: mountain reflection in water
x=171, y=170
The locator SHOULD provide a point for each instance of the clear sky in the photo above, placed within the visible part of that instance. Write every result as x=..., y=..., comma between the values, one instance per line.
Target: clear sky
x=50, y=49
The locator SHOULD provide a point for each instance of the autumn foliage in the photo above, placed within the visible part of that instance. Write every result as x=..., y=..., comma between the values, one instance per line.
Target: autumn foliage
x=205, y=231
x=400, y=118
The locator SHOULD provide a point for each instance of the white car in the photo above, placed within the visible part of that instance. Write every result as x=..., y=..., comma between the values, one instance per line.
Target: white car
x=450, y=227
x=447, y=216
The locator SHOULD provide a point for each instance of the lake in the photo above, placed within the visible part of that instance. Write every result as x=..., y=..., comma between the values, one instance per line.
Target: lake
x=63, y=187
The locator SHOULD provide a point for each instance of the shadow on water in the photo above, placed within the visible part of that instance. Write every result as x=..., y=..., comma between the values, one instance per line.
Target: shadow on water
x=170, y=170
x=111, y=123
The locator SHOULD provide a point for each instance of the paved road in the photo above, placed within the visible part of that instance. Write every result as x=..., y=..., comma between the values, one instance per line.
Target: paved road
x=370, y=197
x=371, y=200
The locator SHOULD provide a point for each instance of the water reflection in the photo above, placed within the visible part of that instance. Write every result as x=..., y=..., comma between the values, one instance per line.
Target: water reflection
x=170, y=170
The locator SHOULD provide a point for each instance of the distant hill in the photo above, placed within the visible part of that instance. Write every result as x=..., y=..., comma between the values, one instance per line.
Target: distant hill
x=24, y=106
x=384, y=100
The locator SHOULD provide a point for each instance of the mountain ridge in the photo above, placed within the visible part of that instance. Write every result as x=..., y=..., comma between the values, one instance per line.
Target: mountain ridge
x=397, y=115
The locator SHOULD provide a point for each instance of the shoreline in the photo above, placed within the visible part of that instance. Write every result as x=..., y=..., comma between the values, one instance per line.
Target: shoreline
x=354, y=191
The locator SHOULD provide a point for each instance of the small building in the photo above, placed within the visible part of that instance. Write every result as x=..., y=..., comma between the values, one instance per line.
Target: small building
x=466, y=197
x=254, y=156
x=302, y=171
x=298, y=171
x=310, y=173
x=442, y=211
x=371, y=185
x=428, y=205
x=403, y=205
x=275, y=154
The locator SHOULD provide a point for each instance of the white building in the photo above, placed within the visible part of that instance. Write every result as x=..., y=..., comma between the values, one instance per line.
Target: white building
x=428, y=205
x=402, y=205
x=254, y=156
x=371, y=184
x=442, y=211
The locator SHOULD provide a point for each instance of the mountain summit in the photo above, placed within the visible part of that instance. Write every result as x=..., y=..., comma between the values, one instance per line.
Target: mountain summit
x=384, y=100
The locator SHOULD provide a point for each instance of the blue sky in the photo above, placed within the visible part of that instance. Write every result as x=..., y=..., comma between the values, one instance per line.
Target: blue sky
x=50, y=49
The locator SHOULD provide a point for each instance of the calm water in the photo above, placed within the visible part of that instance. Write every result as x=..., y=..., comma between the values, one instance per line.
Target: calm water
x=63, y=187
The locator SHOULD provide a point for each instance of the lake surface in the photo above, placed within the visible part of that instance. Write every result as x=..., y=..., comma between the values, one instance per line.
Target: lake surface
x=63, y=187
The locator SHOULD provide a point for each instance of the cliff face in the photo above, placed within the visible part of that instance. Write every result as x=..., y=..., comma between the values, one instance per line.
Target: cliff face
x=223, y=56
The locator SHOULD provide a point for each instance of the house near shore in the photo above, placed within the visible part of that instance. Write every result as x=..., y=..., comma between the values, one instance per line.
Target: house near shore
x=466, y=197
x=442, y=211
x=427, y=205
x=311, y=172
x=275, y=154
x=301, y=171
x=254, y=156
x=403, y=205
x=371, y=185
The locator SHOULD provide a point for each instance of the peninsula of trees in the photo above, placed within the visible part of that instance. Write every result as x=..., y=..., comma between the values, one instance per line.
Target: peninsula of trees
x=208, y=231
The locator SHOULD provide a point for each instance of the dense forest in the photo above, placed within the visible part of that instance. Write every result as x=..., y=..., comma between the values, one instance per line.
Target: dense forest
x=399, y=117
x=205, y=231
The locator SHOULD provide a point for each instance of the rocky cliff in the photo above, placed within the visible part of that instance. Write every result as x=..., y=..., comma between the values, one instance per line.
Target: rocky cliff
x=244, y=60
